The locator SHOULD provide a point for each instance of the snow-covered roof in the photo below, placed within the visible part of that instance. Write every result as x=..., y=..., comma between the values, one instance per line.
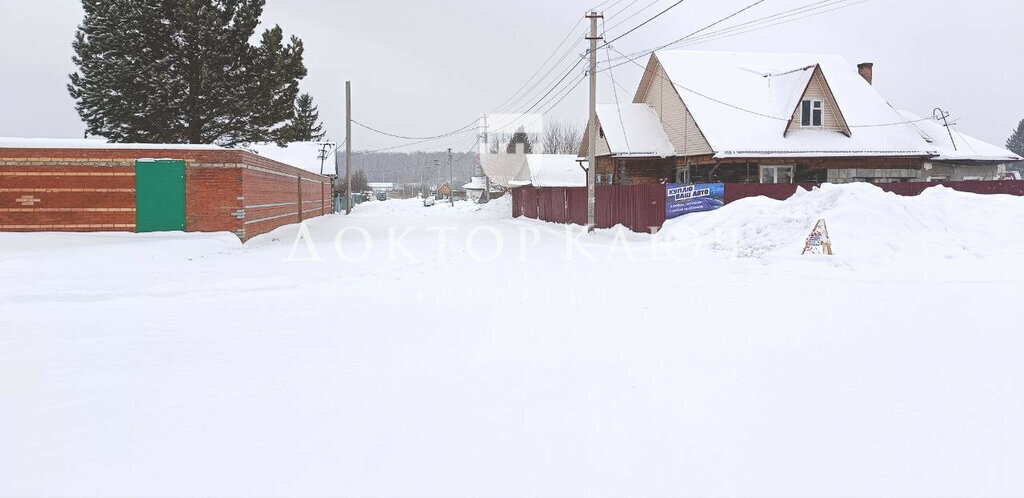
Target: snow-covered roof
x=302, y=155
x=506, y=170
x=556, y=170
x=966, y=148
x=634, y=130
x=743, y=103
x=91, y=143
x=476, y=183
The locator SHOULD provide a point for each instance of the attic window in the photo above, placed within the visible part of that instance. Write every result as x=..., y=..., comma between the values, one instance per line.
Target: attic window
x=600, y=132
x=811, y=113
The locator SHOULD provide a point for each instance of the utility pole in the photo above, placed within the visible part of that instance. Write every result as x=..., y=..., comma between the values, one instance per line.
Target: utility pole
x=592, y=126
x=944, y=116
x=484, y=150
x=451, y=178
x=324, y=151
x=348, y=147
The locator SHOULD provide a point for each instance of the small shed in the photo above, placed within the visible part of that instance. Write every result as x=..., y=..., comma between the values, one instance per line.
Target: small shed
x=91, y=185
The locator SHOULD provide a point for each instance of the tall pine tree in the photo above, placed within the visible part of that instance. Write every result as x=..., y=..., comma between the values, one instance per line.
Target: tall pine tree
x=1016, y=145
x=183, y=71
x=306, y=125
x=1016, y=141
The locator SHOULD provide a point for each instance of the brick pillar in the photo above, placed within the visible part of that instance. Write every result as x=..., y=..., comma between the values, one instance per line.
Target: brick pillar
x=300, y=196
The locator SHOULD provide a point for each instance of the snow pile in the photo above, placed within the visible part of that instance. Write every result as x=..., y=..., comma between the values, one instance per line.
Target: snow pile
x=865, y=223
x=191, y=365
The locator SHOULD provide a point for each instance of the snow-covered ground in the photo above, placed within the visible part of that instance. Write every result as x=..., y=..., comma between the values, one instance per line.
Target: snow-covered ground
x=725, y=364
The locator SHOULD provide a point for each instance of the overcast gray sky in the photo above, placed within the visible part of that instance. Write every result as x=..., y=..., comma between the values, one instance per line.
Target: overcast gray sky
x=425, y=67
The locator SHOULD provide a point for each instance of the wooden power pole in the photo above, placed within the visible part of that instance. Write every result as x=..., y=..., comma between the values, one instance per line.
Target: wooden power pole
x=451, y=178
x=348, y=147
x=592, y=126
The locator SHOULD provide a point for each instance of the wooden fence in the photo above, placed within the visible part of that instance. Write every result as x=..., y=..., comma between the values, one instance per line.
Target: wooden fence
x=641, y=207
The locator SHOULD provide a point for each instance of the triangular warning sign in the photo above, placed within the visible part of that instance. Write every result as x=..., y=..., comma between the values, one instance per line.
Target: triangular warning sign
x=818, y=241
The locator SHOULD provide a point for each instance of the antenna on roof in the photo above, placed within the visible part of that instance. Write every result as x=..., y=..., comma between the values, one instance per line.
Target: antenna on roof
x=943, y=116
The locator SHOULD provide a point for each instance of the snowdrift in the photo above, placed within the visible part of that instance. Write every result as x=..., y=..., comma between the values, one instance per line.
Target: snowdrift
x=865, y=223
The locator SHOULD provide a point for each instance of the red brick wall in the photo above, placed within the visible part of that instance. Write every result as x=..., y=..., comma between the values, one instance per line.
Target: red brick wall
x=50, y=195
x=213, y=199
x=94, y=190
x=272, y=194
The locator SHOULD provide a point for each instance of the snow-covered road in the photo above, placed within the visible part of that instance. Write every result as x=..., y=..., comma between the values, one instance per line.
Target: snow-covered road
x=191, y=364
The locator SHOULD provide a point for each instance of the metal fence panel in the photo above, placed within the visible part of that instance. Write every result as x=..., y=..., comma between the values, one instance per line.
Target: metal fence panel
x=640, y=207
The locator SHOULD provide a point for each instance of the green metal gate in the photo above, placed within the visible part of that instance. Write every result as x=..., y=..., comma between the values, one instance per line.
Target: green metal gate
x=159, y=196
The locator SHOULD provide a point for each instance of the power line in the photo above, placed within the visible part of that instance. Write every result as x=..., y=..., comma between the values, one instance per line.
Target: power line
x=755, y=24
x=443, y=135
x=545, y=63
x=623, y=21
x=729, y=32
x=385, y=149
x=618, y=107
x=620, y=11
x=655, y=16
x=539, y=101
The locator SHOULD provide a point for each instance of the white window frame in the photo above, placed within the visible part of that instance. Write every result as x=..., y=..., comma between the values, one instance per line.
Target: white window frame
x=683, y=174
x=775, y=172
x=820, y=104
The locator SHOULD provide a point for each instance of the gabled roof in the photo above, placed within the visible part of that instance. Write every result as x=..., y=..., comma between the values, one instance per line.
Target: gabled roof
x=961, y=147
x=634, y=130
x=744, y=102
x=813, y=76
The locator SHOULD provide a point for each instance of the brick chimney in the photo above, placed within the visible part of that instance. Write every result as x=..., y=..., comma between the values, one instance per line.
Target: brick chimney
x=867, y=70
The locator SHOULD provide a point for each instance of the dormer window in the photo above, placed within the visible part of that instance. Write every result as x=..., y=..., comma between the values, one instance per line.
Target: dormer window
x=811, y=113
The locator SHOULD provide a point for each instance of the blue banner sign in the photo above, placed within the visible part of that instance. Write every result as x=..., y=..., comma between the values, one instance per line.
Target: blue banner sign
x=685, y=198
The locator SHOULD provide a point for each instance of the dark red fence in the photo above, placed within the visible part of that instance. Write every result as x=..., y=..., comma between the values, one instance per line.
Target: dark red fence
x=783, y=191
x=1010, y=187
x=640, y=207
x=778, y=191
x=637, y=207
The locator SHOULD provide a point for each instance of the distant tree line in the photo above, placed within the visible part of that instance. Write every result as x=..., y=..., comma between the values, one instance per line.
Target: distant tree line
x=430, y=168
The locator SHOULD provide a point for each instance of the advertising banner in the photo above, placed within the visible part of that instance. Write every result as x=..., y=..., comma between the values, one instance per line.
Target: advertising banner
x=685, y=198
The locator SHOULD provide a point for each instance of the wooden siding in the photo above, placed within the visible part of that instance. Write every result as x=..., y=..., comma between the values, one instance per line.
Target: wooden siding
x=817, y=89
x=602, y=148
x=658, y=91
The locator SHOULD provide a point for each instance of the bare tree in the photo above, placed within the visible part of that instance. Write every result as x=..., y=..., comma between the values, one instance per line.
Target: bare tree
x=572, y=135
x=561, y=138
x=552, y=140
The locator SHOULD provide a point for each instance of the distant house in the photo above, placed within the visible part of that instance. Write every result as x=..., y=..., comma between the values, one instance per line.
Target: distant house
x=775, y=118
x=540, y=170
x=518, y=169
